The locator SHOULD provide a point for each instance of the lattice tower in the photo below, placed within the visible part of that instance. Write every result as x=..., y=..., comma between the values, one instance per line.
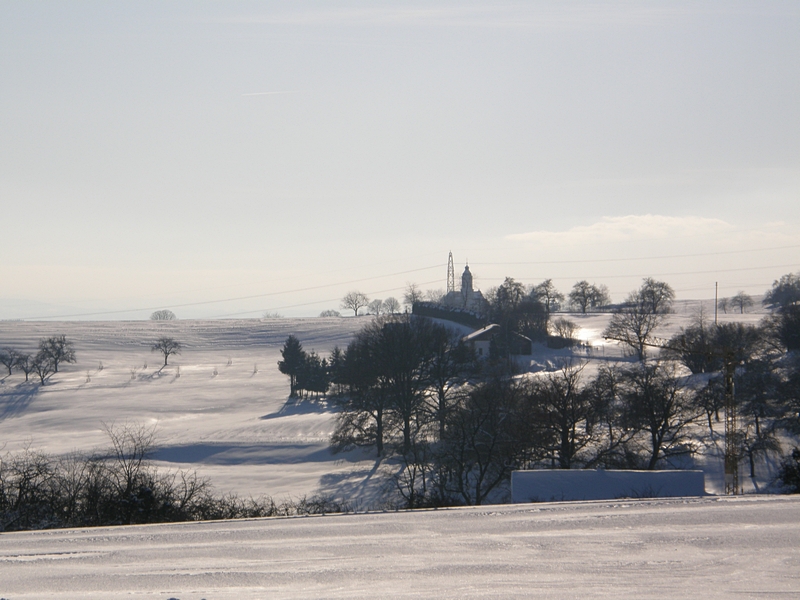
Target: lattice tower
x=451, y=274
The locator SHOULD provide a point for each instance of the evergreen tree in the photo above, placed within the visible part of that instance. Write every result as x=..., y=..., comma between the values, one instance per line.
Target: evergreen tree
x=294, y=359
x=313, y=375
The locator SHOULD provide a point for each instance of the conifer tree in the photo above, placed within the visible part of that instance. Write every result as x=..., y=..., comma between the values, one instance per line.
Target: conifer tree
x=294, y=359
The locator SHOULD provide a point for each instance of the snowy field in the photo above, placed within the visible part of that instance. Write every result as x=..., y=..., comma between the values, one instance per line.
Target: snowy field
x=744, y=547
x=235, y=427
x=221, y=407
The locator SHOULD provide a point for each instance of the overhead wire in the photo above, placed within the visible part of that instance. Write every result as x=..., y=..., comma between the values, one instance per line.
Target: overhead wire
x=250, y=297
x=438, y=266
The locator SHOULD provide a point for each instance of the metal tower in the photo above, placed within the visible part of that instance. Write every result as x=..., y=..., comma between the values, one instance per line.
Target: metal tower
x=733, y=437
x=451, y=274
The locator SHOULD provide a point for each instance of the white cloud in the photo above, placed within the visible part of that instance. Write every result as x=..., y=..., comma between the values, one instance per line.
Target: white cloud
x=628, y=228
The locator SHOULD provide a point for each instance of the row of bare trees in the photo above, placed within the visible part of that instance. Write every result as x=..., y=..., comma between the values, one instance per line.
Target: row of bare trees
x=53, y=351
x=583, y=297
x=57, y=350
x=355, y=300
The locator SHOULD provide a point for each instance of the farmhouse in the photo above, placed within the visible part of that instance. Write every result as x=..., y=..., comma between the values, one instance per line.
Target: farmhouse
x=482, y=339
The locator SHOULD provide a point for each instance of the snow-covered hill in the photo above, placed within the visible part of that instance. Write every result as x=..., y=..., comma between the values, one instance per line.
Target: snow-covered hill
x=221, y=407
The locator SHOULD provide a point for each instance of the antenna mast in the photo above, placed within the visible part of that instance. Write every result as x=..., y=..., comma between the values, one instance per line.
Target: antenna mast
x=451, y=275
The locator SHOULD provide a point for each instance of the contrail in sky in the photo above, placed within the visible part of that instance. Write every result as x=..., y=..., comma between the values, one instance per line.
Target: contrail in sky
x=270, y=93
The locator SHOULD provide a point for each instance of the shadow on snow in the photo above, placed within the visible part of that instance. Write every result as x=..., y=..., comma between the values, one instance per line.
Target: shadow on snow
x=271, y=453
x=296, y=406
x=17, y=400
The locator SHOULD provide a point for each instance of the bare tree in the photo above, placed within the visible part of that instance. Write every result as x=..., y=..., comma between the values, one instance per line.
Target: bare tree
x=391, y=305
x=600, y=296
x=412, y=294
x=644, y=310
x=488, y=435
x=586, y=295
x=24, y=362
x=634, y=326
x=565, y=409
x=741, y=301
x=435, y=296
x=447, y=368
x=167, y=346
x=657, y=404
x=355, y=301
x=564, y=328
x=8, y=357
x=330, y=313
x=43, y=366
x=509, y=295
x=131, y=444
x=547, y=294
x=163, y=315
x=580, y=295
x=58, y=349
x=376, y=307
x=656, y=296
x=723, y=304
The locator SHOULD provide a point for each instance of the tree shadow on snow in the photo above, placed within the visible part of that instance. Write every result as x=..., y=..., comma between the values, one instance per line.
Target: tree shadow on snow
x=357, y=483
x=16, y=400
x=253, y=454
x=297, y=406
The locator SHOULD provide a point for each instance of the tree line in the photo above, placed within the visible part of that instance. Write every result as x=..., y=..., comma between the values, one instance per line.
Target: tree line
x=58, y=350
x=583, y=297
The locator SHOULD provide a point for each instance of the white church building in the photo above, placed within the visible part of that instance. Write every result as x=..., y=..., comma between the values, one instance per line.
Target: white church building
x=467, y=298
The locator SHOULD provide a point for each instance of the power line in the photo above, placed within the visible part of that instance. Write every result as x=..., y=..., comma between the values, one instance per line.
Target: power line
x=206, y=302
x=439, y=266
x=251, y=312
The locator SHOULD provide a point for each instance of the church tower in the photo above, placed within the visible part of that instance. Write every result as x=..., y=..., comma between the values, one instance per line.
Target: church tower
x=466, y=285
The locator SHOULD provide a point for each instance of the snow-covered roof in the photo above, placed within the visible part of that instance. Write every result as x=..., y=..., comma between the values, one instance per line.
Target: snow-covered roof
x=482, y=335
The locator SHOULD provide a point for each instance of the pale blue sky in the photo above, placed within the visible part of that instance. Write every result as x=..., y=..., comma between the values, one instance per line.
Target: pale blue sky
x=162, y=154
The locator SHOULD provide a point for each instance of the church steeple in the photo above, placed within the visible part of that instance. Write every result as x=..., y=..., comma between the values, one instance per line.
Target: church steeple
x=466, y=284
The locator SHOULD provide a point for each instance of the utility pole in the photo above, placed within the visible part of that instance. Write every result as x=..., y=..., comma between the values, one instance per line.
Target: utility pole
x=716, y=300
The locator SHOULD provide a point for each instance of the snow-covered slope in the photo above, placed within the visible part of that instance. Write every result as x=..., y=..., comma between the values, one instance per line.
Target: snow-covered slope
x=694, y=548
x=220, y=407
